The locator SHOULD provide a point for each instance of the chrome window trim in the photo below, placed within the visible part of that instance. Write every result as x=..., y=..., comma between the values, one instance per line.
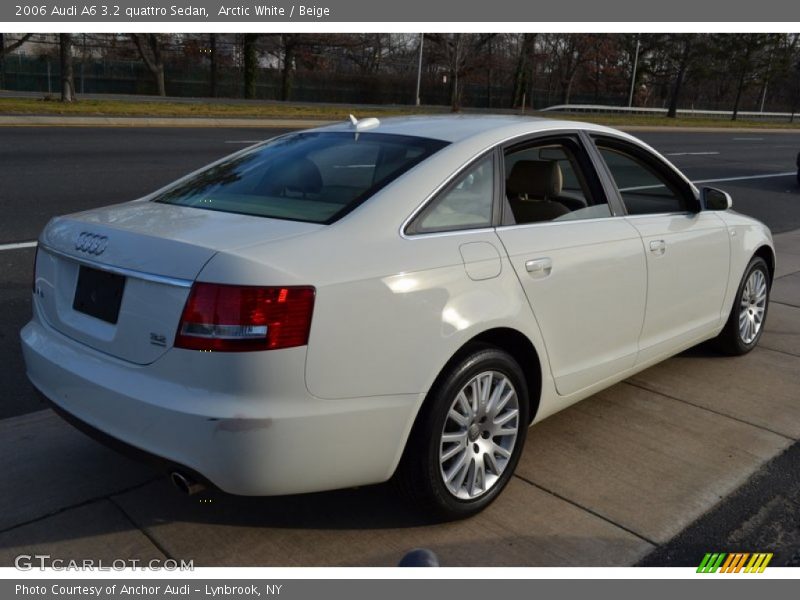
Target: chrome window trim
x=567, y=222
x=593, y=220
x=162, y=279
x=675, y=213
x=447, y=233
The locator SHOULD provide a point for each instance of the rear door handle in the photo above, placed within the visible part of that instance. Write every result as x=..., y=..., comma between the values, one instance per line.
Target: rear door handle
x=658, y=247
x=539, y=267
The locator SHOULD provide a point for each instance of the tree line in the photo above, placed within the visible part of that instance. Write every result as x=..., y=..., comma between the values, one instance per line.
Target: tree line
x=737, y=71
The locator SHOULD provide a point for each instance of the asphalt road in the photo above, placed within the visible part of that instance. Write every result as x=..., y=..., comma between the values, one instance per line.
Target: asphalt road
x=703, y=156
x=48, y=171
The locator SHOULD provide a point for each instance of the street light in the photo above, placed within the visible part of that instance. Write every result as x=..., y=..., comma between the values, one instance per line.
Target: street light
x=633, y=76
x=419, y=65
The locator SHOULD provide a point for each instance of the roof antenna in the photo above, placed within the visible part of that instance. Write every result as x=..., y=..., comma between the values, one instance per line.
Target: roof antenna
x=364, y=124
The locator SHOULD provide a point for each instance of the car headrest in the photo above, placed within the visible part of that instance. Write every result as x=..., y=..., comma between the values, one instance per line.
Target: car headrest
x=535, y=179
x=300, y=176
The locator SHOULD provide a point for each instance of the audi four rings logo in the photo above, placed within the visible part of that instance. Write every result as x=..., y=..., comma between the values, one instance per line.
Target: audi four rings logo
x=91, y=243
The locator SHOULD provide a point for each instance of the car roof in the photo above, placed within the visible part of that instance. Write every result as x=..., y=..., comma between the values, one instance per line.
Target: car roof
x=457, y=128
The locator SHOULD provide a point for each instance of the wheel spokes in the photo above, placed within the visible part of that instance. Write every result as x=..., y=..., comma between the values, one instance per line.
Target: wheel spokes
x=479, y=435
x=752, y=306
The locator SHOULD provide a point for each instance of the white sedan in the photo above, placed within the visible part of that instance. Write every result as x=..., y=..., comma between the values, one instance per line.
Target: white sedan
x=335, y=307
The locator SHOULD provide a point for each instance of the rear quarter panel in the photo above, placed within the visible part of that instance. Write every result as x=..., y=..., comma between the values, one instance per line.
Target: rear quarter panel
x=392, y=334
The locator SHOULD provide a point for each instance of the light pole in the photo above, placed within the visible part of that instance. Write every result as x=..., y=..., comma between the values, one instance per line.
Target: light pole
x=633, y=75
x=419, y=64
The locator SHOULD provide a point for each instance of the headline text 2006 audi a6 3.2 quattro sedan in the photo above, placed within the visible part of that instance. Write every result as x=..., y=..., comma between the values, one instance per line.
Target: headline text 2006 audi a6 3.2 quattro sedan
x=339, y=306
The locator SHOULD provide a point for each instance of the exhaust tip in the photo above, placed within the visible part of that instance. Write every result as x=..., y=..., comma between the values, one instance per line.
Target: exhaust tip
x=185, y=484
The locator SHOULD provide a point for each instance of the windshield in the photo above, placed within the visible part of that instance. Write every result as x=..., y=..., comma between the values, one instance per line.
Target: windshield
x=315, y=177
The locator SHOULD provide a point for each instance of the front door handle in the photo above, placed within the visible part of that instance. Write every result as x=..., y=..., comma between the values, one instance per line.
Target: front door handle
x=539, y=267
x=658, y=247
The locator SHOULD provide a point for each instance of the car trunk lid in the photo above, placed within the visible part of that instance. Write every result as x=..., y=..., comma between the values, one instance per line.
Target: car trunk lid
x=117, y=278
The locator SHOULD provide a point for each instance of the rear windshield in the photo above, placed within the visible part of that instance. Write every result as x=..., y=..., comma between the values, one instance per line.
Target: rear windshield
x=314, y=177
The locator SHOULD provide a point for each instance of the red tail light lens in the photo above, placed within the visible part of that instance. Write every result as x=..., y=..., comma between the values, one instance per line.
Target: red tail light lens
x=234, y=318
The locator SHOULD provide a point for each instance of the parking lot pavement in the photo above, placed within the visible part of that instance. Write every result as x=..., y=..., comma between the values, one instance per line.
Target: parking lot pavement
x=787, y=246
x=604, y=482
x=787, y=290
x=98, y=530
x=782, y=331
x=761, y=388
x=48, y=466
x=643, y=460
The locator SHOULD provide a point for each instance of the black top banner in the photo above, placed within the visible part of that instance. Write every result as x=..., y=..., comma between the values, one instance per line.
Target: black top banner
x=237, y=11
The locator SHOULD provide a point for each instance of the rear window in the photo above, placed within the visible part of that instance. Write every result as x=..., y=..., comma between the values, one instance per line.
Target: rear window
x=313, y=177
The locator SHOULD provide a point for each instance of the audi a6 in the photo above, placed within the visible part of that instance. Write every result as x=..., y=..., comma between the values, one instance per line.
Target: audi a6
x=385, y=299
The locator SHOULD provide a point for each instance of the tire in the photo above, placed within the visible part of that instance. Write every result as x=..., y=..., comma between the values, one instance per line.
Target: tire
x=453, y=436
x=749, y=311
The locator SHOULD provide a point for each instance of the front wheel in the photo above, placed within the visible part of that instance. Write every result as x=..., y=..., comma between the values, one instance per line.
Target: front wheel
x=469, y=436
x=749, y=312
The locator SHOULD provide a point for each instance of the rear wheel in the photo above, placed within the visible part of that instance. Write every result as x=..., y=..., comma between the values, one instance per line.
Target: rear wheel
x=469, y=436
x=749, y=312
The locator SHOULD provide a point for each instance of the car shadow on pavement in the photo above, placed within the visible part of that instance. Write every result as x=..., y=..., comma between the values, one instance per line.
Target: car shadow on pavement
x=371, y=507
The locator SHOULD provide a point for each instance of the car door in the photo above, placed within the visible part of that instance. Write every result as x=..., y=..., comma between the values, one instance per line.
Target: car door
x=688, y=251
x=579, y=261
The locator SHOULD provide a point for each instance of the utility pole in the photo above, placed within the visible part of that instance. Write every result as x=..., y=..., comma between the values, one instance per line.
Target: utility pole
x=419, y=65
x=2, y=61
x=633, y=75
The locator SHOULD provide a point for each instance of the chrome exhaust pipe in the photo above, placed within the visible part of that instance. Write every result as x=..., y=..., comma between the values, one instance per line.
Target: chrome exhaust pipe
x=185, y=484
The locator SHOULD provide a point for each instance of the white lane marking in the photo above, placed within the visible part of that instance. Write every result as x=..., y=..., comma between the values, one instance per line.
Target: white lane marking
x=746, y=177
x=690, y=153
x=243, y=141
x=748, y=139
x=661, y=185
x=17, y=246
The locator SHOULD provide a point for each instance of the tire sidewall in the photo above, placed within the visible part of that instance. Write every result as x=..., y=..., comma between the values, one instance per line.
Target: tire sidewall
x=757, y=263
x=488, y=359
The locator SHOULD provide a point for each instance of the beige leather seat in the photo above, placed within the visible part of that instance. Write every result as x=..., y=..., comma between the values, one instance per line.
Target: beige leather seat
x=531, y=188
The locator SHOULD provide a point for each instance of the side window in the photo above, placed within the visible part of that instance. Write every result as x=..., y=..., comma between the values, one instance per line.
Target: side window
x=643, y=188
x=466, y=204
x=548, y=181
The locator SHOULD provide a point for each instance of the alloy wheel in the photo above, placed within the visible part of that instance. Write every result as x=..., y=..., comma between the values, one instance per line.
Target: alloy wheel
x=479, y=435
x=752, y=306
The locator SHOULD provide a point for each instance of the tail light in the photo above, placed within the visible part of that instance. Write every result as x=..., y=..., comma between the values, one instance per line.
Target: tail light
x=235, y=318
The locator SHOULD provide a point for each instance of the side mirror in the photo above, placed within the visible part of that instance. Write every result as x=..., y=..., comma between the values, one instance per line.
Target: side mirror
x=714, y=199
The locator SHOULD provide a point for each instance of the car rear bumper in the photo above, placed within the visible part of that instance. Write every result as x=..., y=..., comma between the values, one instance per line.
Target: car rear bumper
x=242, y=436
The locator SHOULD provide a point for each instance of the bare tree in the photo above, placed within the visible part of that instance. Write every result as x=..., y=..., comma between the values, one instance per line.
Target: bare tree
x=524, y=71
x=7, y=50
x=571, y=51
x=461, y=53
x=212, y=54
x=250, y=54
x=13, y=45
x=150, y=50
x=67, y=79
x=685, y=51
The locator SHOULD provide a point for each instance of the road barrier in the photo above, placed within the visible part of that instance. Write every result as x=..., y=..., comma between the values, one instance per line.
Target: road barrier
x=681, y=112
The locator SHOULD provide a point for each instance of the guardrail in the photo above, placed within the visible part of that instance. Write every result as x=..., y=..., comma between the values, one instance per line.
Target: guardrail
x=683, y=112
